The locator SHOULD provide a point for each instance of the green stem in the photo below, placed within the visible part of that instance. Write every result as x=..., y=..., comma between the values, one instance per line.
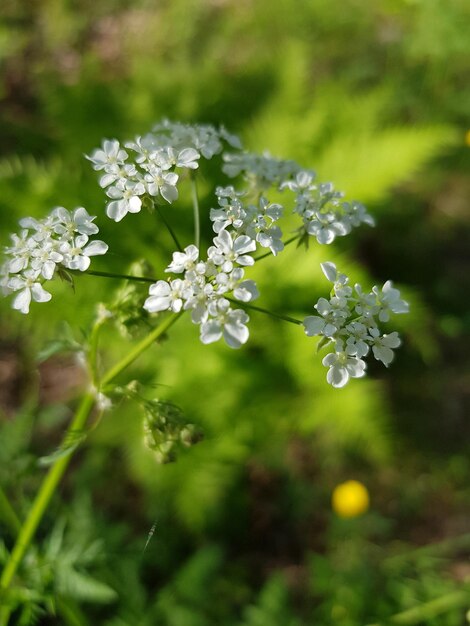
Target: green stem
x=197, y=227
x=285, y=318
x=8, y=515
x=139, y=348
x=53, y=477
x=93, y=351
x=169, y=227
x=140, y=279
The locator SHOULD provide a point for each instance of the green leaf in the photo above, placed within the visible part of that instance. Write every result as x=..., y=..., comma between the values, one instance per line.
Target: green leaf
x=83, y=587
x=72, y=442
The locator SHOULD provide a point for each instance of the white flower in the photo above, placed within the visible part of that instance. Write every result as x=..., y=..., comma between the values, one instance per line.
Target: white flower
x=226, y=323
x=77, y=253
x=324, y=226
x=21, y=252
x=183, y=261
x=227, y=251
x=119, y=175
x=334, y=310
x=166, y=296
x=262, y=227
x=342, y=367
x=125, y=200
x=198, y=302
x=203, y=138
x=265, y=169
x=356, y=339
x=110, y=153
x=44, y=259
x=302, y=183
x=243, y=290
x=29, y=289
x=145, y=147
x=232, y=211
x=340, y=281
x=79, y=221
x=382, y=345
x=356, y=214
x=188, y=157
x=160, y=182
x=390, y=301
x=43, y=229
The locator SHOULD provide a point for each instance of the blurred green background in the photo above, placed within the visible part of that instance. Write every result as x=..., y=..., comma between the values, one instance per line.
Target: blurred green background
x=374, y=95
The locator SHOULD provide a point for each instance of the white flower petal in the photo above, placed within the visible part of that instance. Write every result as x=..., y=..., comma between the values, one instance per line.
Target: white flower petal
x=96, y=248
x=313, y=325
x=329, y=269
x=169, y=193
x=211, y=331
x=39, y=294
x=22, y=301
x=116, y=210
x=337, y=376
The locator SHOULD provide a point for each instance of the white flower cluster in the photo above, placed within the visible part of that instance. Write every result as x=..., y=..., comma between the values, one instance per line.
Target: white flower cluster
x=258, y=222
x=260, y=170
x=60, y=239
x=208, y=287
x=212, y=285
x=148, y=164
x=324, y=214
x=349, y=321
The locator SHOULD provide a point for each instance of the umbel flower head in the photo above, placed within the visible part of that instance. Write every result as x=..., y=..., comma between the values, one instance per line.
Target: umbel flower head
x=62, y=239
x=349, y=322
x=212, y=282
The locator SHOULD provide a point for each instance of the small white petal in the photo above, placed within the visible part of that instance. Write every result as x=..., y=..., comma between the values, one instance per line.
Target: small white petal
x=337, y=376
x=169, y=193
x=313, y=325
x=116, y=210
x=96, y=248
x=329, y=269
x=211, y=331
x=39, y=294
x=236, y=335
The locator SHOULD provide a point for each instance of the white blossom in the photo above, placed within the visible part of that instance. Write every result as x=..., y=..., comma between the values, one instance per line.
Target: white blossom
x=29, y=289
x=44, y=259
x=125, y=199
x=166, y=296
x=389, y=301
x=227, y=323
x=350, y=320
x=67, y=223
x=20, y=252
x=77, y=252
x=162, y=183
x=342, y=367
x=227, y=250
x=382, y=345
x=61, y=239
x=110, y=153
x=183, y=261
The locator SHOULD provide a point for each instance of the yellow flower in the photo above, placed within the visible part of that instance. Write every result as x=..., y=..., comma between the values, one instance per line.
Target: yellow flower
x=350, y=499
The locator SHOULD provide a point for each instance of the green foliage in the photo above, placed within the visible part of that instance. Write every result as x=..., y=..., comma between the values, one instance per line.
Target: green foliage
x=238, y=531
